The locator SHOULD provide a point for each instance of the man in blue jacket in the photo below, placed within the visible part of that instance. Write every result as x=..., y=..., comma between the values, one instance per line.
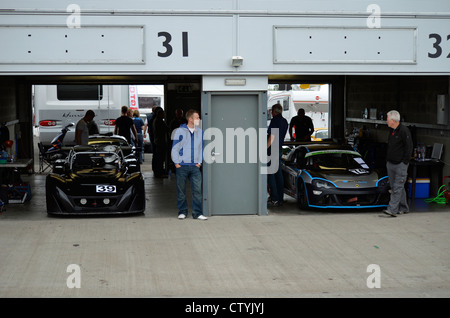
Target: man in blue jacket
x=187, y=155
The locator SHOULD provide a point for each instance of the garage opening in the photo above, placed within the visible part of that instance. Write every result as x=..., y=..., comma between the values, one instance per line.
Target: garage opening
x=58, y=104
x=53, y=102
x=182, y=92
x=312, y=98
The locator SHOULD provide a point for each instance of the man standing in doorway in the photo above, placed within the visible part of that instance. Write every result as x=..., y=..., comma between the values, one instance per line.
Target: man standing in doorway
x=177, y=121
x=161, y=142
x=275, y=180
x=304, y=127
x=187, y=155
x=139, y=125
x=82, y=128
x=399, y=149
x=148, y=126
x=174, y=124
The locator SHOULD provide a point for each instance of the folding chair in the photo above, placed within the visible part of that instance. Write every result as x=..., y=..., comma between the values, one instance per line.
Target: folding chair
x=44, y=163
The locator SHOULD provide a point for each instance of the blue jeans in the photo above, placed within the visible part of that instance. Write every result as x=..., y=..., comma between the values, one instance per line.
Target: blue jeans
x=194, y=175
x=140, y=146
x=275, y=183
x=159, y=163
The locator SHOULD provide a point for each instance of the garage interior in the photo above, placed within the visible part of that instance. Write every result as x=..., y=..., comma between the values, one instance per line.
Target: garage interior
x=415, y=97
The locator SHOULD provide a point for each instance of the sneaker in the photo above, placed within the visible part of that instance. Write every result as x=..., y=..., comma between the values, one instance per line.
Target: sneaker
x=181, y=216
x=389, y=213
x=201, y=217
x=271, y=203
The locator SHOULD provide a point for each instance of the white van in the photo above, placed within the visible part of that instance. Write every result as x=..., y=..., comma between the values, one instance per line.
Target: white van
x=58, y=105
x=149, y=96
x=313, y=98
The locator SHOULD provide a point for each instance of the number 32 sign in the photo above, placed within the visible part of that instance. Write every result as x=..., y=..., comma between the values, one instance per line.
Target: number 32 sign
x=437, y=45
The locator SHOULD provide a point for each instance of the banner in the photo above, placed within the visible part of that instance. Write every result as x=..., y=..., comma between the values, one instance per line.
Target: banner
x=133, y=93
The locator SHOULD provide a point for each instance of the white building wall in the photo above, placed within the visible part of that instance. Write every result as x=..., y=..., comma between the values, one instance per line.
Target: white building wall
x=200, y=37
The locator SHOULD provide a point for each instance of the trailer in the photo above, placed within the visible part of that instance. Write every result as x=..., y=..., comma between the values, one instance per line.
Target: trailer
x=313, y=98
x=55, y=106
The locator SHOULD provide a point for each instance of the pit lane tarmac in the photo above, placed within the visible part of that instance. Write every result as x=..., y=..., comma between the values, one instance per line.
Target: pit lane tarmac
x=289, y=253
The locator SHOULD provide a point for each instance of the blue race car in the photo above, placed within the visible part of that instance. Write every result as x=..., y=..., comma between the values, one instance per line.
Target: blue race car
x=330, y=175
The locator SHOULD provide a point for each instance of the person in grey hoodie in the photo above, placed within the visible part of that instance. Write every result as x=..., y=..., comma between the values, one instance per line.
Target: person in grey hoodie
x=187, y=155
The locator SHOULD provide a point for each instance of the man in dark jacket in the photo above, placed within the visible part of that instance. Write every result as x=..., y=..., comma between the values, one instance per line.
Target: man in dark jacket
x=304, y=127
x=277, y=129
x=160, y=141
x=124, y=125
x=398, y=154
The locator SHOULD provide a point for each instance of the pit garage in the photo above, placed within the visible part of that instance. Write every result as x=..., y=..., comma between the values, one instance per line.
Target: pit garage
x=227, y=59
x=305, y=48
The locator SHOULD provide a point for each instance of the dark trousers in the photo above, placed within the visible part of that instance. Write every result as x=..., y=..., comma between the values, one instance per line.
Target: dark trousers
x=397, y=178
x=159, y=159
x=275, y=183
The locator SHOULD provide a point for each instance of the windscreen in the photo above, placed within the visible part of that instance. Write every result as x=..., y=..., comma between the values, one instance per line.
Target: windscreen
x=335, y=159
x=100, y=161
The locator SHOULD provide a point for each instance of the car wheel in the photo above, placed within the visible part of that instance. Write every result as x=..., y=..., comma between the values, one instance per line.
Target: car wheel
x=301, y=195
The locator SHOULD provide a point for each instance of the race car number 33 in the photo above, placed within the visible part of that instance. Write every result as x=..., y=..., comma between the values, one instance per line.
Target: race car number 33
x=106, y=189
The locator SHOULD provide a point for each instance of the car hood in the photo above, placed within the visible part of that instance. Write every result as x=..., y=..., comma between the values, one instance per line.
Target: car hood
x=348, y=178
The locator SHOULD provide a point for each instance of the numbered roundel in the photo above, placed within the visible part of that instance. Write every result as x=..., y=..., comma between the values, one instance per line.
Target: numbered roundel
x=105, y=189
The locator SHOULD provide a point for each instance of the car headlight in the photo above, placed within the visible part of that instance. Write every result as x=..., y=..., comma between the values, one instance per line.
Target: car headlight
x=383, y=182
x=322, y=184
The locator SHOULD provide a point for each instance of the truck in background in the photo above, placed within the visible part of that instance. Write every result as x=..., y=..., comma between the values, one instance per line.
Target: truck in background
x=148, y=96
x=55, y=106
x=313, y=98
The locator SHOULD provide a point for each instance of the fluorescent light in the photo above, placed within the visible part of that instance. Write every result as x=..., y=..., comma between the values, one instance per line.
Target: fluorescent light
x=235, y=82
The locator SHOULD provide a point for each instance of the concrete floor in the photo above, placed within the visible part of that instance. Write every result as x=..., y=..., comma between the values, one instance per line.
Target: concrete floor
x=289, y=253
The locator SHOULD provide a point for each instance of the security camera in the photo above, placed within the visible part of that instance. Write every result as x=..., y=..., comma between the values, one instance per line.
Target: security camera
x=237, y=61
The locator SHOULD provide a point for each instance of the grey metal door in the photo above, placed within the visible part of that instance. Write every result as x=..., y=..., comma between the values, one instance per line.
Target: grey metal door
x=233, y=182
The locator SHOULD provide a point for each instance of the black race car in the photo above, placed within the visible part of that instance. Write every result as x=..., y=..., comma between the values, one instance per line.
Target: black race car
x=102, y=178
x=329, y=175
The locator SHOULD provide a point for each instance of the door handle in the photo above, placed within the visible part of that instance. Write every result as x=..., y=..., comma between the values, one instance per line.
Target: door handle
x=213, y=155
